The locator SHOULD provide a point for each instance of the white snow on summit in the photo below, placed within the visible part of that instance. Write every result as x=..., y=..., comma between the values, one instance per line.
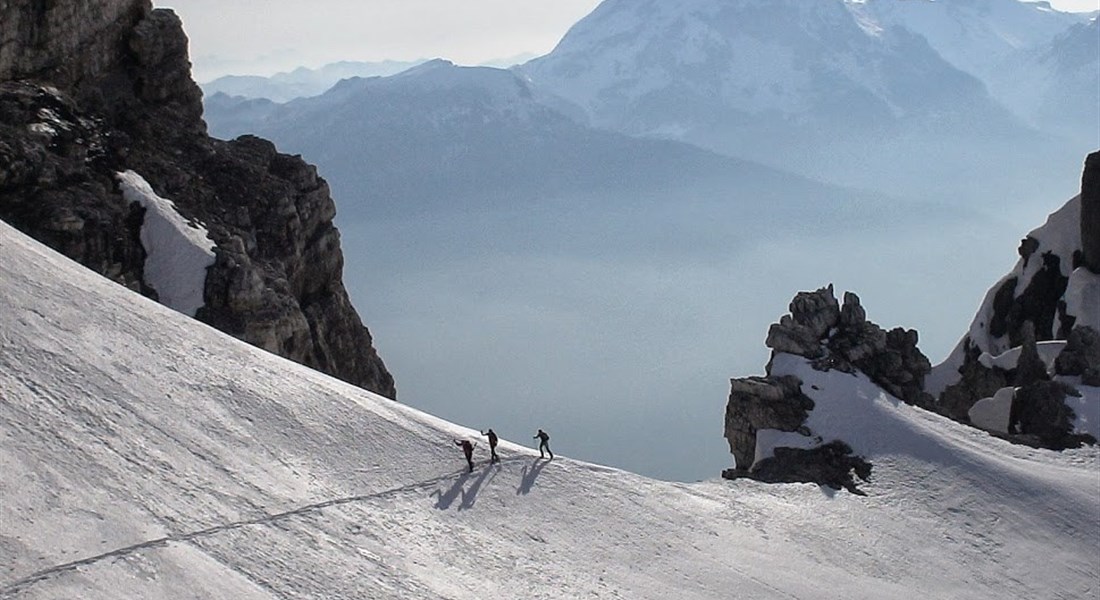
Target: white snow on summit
x=178, y=251
x=976, y=36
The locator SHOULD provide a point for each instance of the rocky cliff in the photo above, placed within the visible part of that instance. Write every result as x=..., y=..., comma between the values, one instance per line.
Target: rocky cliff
x=1028, y=370
x=1035, y=337
x=92, y=89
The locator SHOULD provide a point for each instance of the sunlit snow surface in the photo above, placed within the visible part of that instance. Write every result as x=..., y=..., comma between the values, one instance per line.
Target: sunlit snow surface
x=178, y=252
x=145, y=455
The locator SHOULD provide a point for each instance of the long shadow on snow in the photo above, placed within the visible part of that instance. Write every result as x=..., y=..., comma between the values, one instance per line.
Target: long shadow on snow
x=469, y=496
x=529, y=475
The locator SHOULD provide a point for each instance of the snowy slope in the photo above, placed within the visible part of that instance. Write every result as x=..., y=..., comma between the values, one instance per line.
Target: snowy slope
x=145, y=455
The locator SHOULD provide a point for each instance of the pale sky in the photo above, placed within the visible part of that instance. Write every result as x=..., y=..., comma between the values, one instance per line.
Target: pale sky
x=265, y=36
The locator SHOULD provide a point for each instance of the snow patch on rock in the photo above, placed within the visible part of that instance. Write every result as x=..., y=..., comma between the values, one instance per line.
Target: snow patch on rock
x=1082, y=296
x=994, y=414
x=1048, y=352
x=179, y=251
x=1061, y=236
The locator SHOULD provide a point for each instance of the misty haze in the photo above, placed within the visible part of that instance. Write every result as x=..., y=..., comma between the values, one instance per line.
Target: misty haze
x=598, y=250
x=646, y=299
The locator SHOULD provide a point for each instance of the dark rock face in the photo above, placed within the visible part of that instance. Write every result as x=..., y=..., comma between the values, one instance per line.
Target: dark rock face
x=763, y=403
x=834, y=336
x=1040, y=416
x=831, y=464
x=1018, y=318
x=977, y=381
x=1090, y=213
x=276, y=281
x=841, y=337
x=39, y=40
x=1081, y=356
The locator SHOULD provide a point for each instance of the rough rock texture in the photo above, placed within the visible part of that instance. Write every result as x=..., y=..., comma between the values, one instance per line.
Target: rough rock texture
x=1081, y=356
x=831, y=464
x=976, y=382
x=763, y=403
x=1038, y=312
x=841, y=337
x=39, y=39
x=1090, y=213
x=1040, y=416
x=129, y=103
x=834, y=336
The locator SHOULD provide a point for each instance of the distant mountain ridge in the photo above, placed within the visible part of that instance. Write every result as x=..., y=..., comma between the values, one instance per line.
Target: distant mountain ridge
x=826, y=88
x=440, y=137
x=301, y=82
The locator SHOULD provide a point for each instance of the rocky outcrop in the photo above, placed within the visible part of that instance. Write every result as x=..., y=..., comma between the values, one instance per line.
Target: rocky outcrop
x=833, y=336
x=757, y=403
x=1090, y=213
x=1081, y=356
x=832, y=464
x=841, y=337
x=1052, y=296
x=67, y=127
x=68, y=44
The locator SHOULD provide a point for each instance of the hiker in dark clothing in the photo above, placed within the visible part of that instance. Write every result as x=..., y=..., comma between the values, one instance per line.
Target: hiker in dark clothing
x=544, y=444
x=492, y=444
x=468, y=450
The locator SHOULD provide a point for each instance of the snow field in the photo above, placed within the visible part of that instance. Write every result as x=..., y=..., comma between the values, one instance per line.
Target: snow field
x=145, y=455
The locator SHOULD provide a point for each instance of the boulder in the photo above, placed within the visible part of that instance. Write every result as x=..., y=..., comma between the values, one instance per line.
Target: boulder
x=757, y=403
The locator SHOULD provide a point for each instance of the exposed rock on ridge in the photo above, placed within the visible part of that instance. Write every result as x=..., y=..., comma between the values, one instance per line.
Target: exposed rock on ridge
x=833, y=336
x=1051, y=299
x=68, y=126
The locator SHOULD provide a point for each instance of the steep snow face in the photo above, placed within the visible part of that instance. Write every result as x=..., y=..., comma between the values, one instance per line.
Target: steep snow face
x=813, y=86
x=178, y=251
x=148, y=456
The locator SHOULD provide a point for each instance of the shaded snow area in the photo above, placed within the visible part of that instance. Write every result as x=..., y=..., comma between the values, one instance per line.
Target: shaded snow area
x=145, y=455
x=1061, y=236
x=178, y=251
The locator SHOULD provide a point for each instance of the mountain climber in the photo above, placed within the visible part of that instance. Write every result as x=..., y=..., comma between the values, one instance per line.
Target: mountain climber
x=468, y=450
x=492, y=444
x=544, y=444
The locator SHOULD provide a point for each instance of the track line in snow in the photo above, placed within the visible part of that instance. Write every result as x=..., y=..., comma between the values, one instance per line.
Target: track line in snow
x=9, y=590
